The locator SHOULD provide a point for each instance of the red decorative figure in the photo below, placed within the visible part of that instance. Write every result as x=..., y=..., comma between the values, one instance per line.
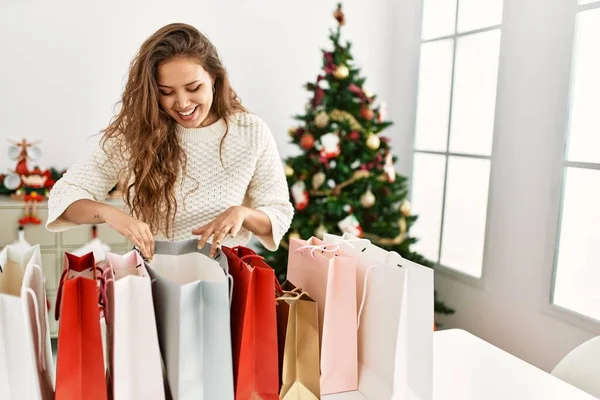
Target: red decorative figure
x=34, y=190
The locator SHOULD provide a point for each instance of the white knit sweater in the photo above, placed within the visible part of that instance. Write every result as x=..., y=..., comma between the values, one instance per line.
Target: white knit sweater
x=252, y=175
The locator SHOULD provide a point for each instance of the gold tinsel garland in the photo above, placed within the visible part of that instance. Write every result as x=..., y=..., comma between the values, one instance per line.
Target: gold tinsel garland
x=344, y=116
x=389, y=241
x=338, y=189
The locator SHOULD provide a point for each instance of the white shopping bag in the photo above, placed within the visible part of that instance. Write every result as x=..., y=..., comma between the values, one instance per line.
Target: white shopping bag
x=191, y=294
x=26, y=364
x=395, y=335
x=135, y=367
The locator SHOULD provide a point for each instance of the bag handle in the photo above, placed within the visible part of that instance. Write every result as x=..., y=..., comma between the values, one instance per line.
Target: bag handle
x=41, y=358
x=97, y=271
x=243, y=259
x=251, y=256
x=230, y=278
x=364, y=296
x=291, y=294
x=321, y=247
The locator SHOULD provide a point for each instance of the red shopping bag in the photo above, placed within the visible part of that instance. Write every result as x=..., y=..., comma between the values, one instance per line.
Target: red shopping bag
x=80, y=361
x=253, y=325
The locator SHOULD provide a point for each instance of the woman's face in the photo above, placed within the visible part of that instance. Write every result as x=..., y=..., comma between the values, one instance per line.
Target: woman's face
x=185, y=91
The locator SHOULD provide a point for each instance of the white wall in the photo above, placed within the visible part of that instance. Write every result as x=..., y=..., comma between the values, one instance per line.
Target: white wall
x=509, y=306
x=64, y=63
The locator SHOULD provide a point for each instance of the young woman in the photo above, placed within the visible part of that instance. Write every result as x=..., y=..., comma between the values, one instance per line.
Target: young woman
x=195, y=161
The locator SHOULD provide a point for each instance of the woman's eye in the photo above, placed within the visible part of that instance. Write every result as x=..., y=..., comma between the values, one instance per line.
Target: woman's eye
x=196, y=88
x=165, y=93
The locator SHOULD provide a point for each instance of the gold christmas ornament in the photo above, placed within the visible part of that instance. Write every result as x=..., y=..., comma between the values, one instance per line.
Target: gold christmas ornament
x=373, y=141
x=318, y=180
x=367, y=199
x=292, y=132
x=320, y=231
x=294, y=235
x=289, y=171
x=405, y=208
x=321, y=120
x=341, y=72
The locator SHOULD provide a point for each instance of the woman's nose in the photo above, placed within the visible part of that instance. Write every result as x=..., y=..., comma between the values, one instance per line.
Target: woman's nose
x=182, y=101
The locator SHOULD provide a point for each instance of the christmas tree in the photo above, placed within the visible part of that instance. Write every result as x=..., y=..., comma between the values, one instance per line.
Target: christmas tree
x=345, y=179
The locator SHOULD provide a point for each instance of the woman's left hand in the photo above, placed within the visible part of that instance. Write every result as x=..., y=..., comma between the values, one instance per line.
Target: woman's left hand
x=228, y=223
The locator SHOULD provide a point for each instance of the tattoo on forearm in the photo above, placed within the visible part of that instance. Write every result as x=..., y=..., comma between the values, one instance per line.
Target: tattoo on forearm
x=96, y=216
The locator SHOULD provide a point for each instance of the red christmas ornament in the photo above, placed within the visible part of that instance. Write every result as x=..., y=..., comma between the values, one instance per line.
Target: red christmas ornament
x=366, y=113
x=354, y=136
x=307, y=141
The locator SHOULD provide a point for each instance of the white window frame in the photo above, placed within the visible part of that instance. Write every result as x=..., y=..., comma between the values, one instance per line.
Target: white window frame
x=446, y=270
x=562, y=163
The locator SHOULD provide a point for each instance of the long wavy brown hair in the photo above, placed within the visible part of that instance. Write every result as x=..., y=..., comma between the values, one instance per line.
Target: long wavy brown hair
x=147, y=134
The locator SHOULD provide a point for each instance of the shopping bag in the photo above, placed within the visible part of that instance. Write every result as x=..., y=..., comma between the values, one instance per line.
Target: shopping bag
x=26, y=364
x=191, y=295
x=253, y=325
x=80, y=372
x=298, y=332
x=395, y=338
x=134, y=353
x=330, y=278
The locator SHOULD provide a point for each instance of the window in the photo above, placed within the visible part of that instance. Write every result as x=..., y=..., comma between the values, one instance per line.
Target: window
x=577, y=265
x=456, y=103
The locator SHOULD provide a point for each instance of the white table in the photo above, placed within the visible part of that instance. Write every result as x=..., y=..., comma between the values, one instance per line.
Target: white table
x=468, y=368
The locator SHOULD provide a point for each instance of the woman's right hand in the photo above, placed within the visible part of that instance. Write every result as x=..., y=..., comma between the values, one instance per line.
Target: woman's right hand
x=136, y=231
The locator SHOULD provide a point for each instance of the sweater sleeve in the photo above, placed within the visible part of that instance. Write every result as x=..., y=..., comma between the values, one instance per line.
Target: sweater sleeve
x=268, y=190
x=89, y=178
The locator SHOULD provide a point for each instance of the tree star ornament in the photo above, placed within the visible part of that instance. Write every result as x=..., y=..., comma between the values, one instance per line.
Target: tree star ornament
x=373, y=141
x=341, y=72
x=321, y=120
x=338, y=14
x=367, y=200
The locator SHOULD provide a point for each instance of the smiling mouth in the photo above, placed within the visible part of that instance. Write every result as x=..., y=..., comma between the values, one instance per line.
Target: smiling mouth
x=187, y=113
